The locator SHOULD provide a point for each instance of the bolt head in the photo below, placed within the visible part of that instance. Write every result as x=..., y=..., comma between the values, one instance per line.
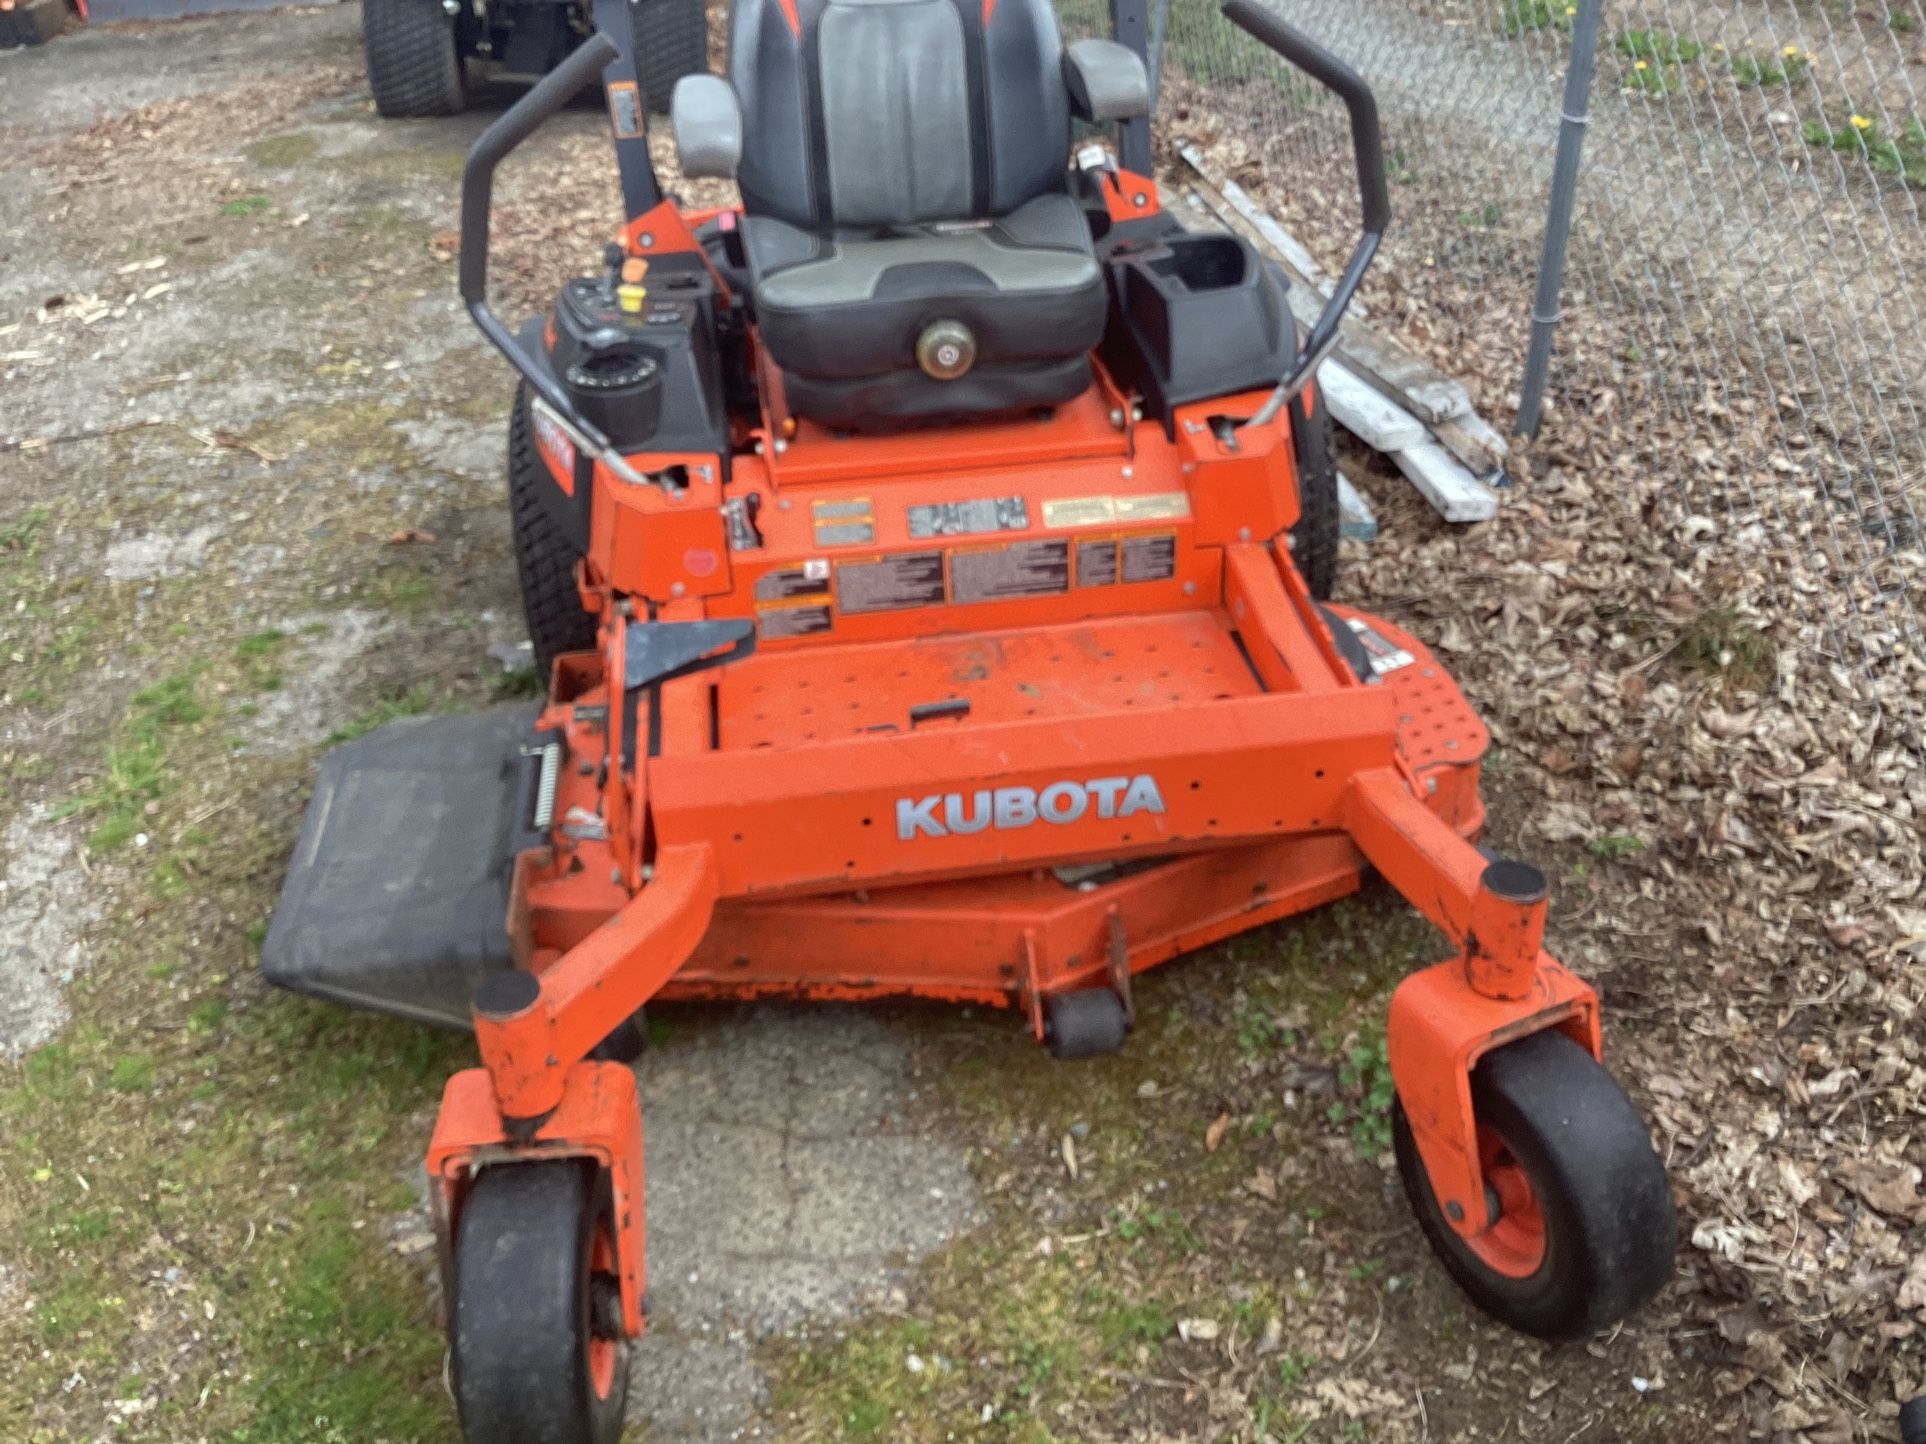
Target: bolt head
x=1455, y=1212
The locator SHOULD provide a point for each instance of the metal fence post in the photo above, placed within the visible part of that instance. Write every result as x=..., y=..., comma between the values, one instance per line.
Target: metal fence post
x=1545, y=310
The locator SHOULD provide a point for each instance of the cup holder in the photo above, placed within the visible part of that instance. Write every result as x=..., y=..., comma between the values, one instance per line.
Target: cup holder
x=1204, y=263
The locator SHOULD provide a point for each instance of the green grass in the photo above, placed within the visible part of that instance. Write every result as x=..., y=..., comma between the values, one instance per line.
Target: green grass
x=1757, y=71
x=1663, y=46
x=1615, y=845
x=410, y=703
x=1367, y=1092
x=20, y=540
x=135, y=776
x=1525, y=17
x=1720, y=641
x=1901, y=155
x=312, y=1329
x=259, y=656
x=250, y=205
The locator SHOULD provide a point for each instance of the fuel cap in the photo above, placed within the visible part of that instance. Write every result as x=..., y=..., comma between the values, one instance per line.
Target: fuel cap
x=946, y=350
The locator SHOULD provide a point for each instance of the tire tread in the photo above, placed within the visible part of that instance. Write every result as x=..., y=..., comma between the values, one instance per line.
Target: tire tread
x=544, y=558
x=414, y=63
x=1314, y=537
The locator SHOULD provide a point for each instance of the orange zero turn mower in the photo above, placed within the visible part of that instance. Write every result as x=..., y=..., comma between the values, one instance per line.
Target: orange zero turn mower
x=930, y=564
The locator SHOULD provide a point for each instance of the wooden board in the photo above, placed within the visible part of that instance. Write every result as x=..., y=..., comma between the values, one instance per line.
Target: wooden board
x=1455, y=492
x=1364, y=411
x=1474, y=441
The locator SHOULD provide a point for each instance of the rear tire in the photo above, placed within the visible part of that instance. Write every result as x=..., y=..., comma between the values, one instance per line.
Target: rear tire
x=530, y=1327
x=414, y=59
x=544, y=558
x=1314, y=539
x=1587, y=1231
x=671, y=41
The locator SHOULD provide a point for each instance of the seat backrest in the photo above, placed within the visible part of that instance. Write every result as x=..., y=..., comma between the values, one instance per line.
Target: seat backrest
x=872, y=113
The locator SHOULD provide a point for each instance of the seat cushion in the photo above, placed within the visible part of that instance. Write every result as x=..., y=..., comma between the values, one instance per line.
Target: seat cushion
x=830, y=307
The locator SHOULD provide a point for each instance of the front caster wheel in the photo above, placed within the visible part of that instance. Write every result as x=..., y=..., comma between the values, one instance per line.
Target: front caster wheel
x=536, y=1323
x=1088, y=1023
x=1585, y=1231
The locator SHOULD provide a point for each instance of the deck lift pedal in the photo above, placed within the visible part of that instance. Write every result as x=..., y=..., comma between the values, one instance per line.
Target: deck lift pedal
x=929, y=569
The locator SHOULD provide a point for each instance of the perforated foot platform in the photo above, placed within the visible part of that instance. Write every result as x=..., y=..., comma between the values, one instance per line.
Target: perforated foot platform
x=397, y=895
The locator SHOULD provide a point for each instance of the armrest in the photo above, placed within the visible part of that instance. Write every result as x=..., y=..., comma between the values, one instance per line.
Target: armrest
x=707, y=122
x=1107, y=81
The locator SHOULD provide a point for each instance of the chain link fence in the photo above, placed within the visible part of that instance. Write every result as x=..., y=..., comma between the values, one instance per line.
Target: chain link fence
x=1748, y=257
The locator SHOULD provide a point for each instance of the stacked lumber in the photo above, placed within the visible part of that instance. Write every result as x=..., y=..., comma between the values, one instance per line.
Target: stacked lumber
x=1391, y=399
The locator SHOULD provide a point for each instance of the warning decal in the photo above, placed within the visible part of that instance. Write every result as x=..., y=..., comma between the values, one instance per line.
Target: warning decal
x=889, y=584
x=968, y=518
x=1097, y=562
x=844, y=523
x=1149, y=558
x=1145, y=557
x=811, y=579
x=777, y=622
x=1386, y=655
x=1021, y=569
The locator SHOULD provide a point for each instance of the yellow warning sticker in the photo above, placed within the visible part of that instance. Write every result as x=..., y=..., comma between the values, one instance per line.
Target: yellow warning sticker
x=1080, y=511
x=1158, y=506
x=848, y=521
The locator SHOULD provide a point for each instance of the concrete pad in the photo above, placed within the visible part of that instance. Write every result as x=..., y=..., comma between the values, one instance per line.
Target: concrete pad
x=783, y=1185
x=45, y=907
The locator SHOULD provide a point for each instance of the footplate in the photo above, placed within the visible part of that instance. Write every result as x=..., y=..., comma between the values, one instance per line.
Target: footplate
x=397, y=895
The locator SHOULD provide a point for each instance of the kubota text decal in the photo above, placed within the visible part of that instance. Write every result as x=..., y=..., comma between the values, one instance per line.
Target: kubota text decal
x=941, y=814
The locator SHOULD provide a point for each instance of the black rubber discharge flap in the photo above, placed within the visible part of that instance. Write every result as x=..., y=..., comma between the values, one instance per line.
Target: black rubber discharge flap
x=396, y=899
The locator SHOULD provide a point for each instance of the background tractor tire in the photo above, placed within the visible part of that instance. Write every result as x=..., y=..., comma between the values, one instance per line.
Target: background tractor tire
x=671, y=41
x=544, y=559
x=1314, y=539
x=414, y=59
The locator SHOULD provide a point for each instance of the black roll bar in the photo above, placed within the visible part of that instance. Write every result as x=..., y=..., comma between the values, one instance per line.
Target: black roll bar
x=1374, y=194
x=555, y=90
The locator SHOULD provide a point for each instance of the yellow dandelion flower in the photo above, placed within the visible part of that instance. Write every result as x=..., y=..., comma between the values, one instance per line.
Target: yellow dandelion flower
x=1790, y=50
x=1571, y=9
x=1639, y=66
x=1811, y=56
x=1859, y=122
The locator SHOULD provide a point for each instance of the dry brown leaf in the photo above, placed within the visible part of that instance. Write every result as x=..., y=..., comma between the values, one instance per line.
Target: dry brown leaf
x=1214, y=1135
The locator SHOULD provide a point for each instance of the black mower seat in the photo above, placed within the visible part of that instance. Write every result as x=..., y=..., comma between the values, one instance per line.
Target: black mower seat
x=1027, y=286
x=914, y=251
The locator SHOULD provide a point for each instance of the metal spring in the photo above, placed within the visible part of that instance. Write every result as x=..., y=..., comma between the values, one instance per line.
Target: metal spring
x=546, y=785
